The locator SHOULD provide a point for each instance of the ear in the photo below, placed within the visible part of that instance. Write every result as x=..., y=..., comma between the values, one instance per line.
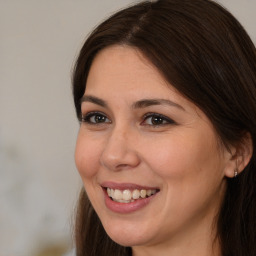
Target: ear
x=239, y=156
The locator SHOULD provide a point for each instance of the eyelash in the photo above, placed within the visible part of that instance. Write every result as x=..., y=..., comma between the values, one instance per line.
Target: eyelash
x=88, y=116
x=164, y=119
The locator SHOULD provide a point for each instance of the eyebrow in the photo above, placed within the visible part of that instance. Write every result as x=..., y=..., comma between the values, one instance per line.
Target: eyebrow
x=138, y=104
x=151, y=102
x=93, y=99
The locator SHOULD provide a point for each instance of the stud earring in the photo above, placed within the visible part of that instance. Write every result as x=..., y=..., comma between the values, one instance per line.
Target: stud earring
x=235, y=173
x=236, y=170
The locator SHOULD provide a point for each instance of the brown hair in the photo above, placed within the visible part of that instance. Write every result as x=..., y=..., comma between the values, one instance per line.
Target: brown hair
x=203, y=51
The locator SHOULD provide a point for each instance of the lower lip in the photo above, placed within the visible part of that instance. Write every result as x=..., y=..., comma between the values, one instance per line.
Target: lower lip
x=127, y=207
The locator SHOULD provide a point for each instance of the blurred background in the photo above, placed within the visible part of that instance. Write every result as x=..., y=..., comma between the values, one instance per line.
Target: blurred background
x=39, y=185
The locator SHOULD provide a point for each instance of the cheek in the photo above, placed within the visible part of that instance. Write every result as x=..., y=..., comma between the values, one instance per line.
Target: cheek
x=87, y=156
x=192, y=173
x=181, y=156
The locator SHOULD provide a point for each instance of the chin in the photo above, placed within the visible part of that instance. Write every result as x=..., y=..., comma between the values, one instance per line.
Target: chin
x=128, y=235
x=128, y=240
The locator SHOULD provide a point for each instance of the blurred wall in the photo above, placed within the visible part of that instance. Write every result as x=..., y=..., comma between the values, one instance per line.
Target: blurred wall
x=38, y=180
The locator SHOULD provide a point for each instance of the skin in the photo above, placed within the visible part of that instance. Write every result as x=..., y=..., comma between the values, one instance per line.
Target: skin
x=182, y=156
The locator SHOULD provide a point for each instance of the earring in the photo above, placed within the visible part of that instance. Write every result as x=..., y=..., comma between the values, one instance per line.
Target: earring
x=236, y=170
x=235, y=173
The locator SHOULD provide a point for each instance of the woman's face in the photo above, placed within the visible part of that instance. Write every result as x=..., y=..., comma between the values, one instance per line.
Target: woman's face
x=150, y=160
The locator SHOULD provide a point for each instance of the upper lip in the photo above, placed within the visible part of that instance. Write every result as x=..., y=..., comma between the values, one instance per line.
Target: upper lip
x=123, y=186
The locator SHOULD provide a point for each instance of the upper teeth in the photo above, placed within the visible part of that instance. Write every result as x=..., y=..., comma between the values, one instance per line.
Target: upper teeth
x=127, y=196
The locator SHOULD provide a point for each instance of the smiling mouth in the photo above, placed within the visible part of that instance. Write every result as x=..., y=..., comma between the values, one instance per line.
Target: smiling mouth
x=129, y=196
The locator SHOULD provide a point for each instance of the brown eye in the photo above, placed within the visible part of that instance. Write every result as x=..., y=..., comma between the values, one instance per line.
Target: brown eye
x=95, y=118
x=156, y=120
x=98, y=119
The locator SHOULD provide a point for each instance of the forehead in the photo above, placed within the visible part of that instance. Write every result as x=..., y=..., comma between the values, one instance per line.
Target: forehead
x=123, y=71
x=124, y=68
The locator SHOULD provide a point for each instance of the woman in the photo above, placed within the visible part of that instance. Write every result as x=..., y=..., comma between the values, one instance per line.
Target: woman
x=166, y=95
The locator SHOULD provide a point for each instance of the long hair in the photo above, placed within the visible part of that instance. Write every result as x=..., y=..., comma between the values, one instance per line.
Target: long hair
x=204, y=52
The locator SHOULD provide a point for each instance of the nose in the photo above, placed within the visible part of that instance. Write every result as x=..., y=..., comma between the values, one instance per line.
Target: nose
x=120, y=150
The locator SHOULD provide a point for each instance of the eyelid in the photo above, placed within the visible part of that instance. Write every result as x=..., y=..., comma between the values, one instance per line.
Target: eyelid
x=165, y=118
x=85, y=117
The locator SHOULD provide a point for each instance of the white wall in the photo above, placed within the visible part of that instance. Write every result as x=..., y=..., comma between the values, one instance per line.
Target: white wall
x=244, y=11
x=38, y=179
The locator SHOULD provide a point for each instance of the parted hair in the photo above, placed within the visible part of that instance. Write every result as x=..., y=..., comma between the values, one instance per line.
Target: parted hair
x=205, y=53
